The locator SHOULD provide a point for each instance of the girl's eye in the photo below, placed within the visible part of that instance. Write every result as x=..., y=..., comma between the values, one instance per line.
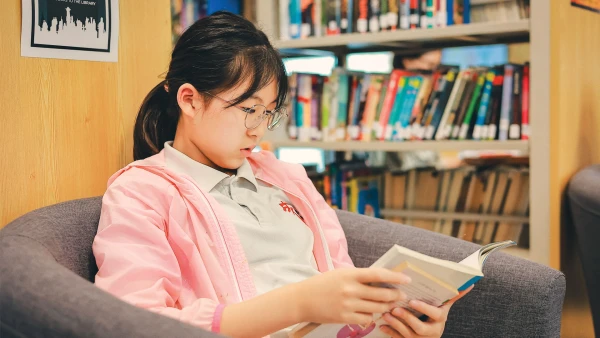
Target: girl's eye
x=250, y=110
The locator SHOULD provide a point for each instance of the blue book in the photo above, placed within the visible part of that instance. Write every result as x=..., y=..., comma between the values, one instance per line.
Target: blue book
x=484, y=105
x=466, y=11
x=295, y=19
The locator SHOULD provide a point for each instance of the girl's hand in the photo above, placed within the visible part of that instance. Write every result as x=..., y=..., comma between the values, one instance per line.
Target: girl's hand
x=403, y=324
x=343, y=296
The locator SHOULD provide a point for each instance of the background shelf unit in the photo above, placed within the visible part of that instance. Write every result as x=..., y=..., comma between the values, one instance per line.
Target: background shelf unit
x=409, y=40
x=518, y=145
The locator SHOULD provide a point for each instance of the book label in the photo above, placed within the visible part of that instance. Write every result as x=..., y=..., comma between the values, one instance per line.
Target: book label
x=392, y=19
x=476, y=132
x=294, y=30
x=492, y=132
x=344, y=23
x=374, y=24
x=362, y=25
x=464, y=129
x=332, y=26
x=293, y=131
x=340, y=133
x=305, y=29
x=388, y=133
x=429, y=132
x=404, y=22
x=514, y=131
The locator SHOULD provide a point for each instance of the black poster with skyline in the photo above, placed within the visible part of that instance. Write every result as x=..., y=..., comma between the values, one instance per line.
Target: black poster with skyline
x=83, y=25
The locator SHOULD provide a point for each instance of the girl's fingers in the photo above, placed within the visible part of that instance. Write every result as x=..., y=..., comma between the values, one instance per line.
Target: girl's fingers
x=401, y=329
x=366, y=306
x=436, y=314
x=380, y=275
x=391, y=332
x=380, y=294
x=419, y=327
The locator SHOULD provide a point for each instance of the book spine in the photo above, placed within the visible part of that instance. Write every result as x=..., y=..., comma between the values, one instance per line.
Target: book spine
x=293, y=106
x=493, y=118
x=450, y=12
x=414, y=14
x=483, y=106
x=515, y=124
x=466, y=11
x=374, y=16
x=284, y=19
x=342, y=115
x=442, y=13
x=525, y=104
x=430, y=13
x=388, y=102
x=507, y=89
x=405, y=14
x=464, y=128
x=362, y=22
x=395, y=113
x=317, y=15
x=295, y=18
x=307, y=26
x=444, y=98
x=384, y=24
x=393, y=13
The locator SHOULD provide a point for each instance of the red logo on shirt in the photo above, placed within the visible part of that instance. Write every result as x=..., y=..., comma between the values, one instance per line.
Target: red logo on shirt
x=290, y=208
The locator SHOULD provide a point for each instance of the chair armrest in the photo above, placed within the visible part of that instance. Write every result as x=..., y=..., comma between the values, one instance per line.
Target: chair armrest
x=516, y=298
x=41, y=298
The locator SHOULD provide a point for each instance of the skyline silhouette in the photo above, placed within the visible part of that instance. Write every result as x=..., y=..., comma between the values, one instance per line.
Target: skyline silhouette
x=71, y=29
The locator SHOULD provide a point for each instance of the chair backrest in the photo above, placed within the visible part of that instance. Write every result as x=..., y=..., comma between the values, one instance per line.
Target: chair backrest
x=584, y=204
x=66, y=230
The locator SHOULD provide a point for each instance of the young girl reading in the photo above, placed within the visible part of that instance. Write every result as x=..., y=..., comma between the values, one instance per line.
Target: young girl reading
x=202, y=229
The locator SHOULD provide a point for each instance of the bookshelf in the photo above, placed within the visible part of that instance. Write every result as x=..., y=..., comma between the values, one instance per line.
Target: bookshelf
x=458, y=35
x=549, y=101
x=518, y=145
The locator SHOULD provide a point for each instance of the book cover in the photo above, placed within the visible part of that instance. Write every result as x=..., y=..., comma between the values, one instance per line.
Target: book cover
x=514, y=131
x=525, y=104
x=506, y=109
x=484, y=105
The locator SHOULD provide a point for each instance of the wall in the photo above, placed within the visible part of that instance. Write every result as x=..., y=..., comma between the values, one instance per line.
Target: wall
x=66, y=126
x=574, y=140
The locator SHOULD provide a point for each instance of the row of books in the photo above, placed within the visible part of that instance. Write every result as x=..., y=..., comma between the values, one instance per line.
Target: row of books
x=496, y=190
x=305, y=18
x=447, y=104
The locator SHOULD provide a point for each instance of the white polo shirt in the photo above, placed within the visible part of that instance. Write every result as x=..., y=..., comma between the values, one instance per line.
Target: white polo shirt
x=277, y=243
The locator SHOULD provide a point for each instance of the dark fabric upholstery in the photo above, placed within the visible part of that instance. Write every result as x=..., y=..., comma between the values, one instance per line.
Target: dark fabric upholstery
x=516, y=298
x=584, y=203
x=46, y=266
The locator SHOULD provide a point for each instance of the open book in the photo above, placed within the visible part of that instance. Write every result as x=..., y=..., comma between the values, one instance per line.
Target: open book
x=434, y=281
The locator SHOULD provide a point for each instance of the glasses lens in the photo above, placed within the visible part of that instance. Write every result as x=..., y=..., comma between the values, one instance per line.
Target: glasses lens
x=255, y=116
x=276, y=118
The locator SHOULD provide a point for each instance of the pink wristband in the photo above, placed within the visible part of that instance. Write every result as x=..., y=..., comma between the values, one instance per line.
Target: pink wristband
x=216, y=324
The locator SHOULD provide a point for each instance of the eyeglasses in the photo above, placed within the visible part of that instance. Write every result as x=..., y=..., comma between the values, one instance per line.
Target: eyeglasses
x=256, y=114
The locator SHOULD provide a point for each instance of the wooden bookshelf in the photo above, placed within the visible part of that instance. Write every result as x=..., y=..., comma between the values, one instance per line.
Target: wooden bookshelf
x=518, y=145
x=459, y=35
x=463, y=216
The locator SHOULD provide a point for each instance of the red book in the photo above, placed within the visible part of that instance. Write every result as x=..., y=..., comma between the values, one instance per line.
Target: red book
x=525, y=104
x=388, y=101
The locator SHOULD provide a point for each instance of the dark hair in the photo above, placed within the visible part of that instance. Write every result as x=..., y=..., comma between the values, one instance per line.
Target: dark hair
x=214, y=54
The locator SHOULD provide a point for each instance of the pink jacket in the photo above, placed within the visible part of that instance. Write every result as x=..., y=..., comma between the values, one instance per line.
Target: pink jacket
x=165, y=245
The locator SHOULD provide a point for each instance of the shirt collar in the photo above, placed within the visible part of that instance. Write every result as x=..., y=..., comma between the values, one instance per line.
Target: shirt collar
x=206, y=177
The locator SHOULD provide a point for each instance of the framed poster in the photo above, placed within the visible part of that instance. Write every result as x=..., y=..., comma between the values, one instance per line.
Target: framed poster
x=70, y=29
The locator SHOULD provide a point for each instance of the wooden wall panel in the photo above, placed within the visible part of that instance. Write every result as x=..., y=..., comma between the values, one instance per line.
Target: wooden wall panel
x=66, y=126
x=575, y=141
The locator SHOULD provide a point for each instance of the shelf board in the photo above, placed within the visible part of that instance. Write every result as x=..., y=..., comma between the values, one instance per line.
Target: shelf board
x=520, y=145
x=457, y=35
x=419, y=214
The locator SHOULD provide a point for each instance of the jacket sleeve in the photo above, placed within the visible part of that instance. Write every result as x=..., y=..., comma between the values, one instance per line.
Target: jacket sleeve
x=136, y=262
x=334, y=233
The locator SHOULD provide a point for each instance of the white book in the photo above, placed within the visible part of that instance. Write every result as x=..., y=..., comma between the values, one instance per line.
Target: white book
x=433, y=281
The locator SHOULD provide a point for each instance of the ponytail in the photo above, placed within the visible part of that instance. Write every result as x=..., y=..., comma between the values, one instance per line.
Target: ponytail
x=155, y=124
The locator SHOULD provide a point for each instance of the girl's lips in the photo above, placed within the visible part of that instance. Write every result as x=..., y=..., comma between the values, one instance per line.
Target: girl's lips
x=246, y=152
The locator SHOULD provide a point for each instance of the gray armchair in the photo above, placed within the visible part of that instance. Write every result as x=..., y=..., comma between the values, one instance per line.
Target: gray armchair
x=47, y=266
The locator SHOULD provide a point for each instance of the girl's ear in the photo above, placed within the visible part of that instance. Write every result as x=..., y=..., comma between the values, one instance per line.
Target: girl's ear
x=189, y=100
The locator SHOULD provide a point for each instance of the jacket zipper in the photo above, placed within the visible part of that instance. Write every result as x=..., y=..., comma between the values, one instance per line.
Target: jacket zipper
x=323, y=240
x=231, y=267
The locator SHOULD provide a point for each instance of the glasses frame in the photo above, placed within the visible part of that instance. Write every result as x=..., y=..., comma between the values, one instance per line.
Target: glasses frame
x=270, y=114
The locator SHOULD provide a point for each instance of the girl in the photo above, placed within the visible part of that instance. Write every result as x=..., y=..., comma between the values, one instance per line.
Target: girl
x=201, y=229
